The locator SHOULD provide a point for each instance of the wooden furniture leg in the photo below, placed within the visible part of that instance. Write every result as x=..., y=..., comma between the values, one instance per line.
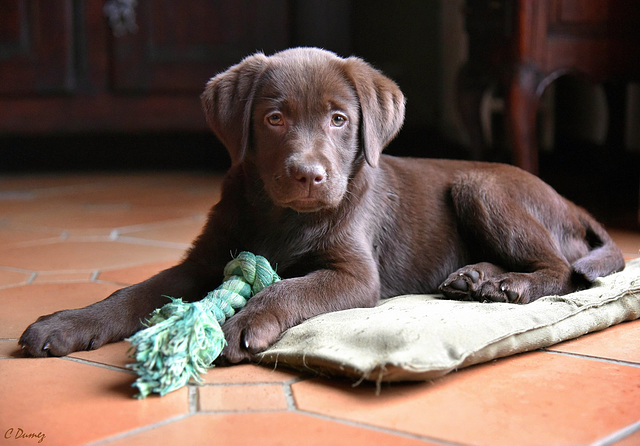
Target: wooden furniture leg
x=523, y=100
x=471, y=87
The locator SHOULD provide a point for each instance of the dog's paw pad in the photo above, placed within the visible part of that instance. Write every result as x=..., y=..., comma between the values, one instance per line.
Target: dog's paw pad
x=473, y=275
x=465, y=280
x=512, y=296
x=459, y=284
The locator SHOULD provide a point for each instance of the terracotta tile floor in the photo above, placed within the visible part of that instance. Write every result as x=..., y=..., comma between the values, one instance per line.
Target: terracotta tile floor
x=69, y=240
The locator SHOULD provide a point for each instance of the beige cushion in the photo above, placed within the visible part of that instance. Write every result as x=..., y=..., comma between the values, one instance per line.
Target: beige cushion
x=419, y=337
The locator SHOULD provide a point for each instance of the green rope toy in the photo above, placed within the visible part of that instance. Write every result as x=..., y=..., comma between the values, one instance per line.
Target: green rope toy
x=183, y=339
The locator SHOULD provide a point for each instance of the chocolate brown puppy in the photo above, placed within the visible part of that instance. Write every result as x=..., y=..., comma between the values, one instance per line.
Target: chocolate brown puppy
x=310, y=190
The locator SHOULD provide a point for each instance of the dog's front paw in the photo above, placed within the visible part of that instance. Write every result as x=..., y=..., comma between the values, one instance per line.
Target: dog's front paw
x=248, y=333
x=61, y=333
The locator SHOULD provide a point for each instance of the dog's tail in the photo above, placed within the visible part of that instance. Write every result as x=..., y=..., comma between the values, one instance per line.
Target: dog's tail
x=604, y=257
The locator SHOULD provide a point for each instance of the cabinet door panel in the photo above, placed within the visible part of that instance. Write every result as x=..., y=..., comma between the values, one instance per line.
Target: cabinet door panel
x=179, y=45
x=36, y=47
x=594, y=19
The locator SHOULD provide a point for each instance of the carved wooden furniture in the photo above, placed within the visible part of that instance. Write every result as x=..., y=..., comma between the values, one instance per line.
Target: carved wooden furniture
x=524, y=45
x=62, y=69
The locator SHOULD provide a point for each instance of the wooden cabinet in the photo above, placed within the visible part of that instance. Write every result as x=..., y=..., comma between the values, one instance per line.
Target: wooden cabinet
x=177, y=47
x=524, y=45
x=36, y=48
x=62, y=69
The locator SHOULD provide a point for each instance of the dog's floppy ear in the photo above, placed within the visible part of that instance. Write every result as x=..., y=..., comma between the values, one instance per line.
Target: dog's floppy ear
x=381, y=104
x=227, y=101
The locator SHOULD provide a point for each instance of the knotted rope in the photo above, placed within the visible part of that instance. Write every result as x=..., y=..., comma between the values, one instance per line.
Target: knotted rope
x=183, y=339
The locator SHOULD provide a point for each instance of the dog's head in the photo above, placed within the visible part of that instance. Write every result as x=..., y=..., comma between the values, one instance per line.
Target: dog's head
x=303, y=117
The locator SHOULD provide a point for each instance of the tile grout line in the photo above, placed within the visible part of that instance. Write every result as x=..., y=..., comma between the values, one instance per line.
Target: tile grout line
x=239, y=411
x=149, y=242
x=592, y=358
x=193, y=399
x=32, y=278
x=123, y=230
x=292, y=406
x=15, y=285
x=138, y=430
x=288, y=396
x=618, y=435
x=95, y=238
x=15, y=270
x=98, y=364
x=252, y=383
x=385, y=430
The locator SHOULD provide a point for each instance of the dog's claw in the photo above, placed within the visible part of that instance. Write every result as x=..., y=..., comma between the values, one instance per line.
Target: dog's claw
x=245, y=343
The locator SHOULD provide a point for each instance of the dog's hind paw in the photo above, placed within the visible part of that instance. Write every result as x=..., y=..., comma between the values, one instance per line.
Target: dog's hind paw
x=482, y=282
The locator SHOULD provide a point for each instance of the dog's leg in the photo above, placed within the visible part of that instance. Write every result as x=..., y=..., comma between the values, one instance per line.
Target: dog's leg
x=500, y=228
x=291, y=301
x=114, y=318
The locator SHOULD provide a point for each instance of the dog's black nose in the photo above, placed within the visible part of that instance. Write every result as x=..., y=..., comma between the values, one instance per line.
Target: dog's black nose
x=310, y=174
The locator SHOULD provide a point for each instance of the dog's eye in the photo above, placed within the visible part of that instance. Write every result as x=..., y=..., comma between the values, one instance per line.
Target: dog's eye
x=338, y=120
x=275, y=119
